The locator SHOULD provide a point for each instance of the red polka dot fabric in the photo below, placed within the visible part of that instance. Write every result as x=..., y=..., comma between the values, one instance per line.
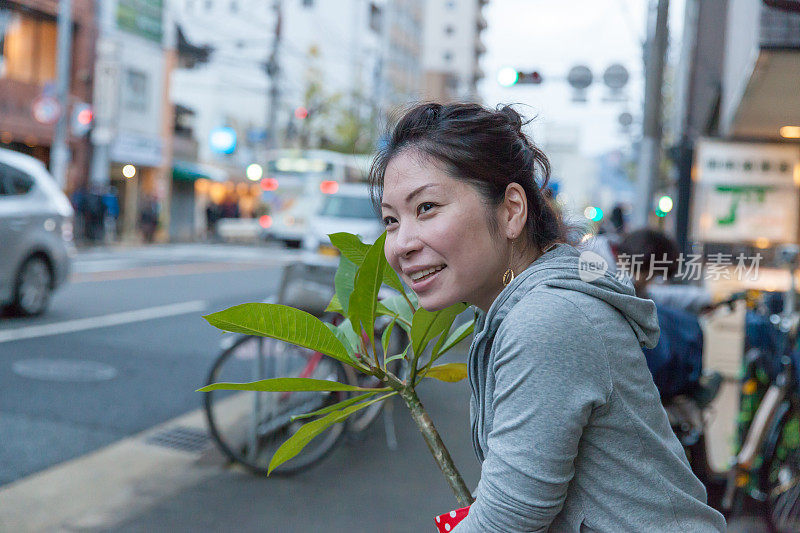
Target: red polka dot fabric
x=446, y=522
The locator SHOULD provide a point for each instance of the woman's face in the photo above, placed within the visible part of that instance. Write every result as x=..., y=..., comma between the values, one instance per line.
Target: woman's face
x=435, y=221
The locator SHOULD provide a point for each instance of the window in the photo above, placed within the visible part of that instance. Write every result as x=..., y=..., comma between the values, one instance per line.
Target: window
x=135, y=91
x=348, y=207
x=14, y=182
x=234, y=6
x=209, y=5
x=450, y=4
x=28, y=46
x=448, y=56
x=308, y=3
x=449, y=30
x=374, y=18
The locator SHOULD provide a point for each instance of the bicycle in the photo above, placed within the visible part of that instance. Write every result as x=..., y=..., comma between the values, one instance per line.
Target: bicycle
x=767, y=467
x=248, y=427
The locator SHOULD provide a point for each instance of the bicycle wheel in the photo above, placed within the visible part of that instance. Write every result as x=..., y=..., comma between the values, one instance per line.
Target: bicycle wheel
x=779, y=476
x=250, y=426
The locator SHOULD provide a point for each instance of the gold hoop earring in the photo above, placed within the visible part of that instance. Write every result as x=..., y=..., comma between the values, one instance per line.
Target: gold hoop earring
x=508, y=277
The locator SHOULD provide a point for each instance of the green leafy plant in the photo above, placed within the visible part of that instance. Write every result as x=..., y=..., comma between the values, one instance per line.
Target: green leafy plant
x=362, y=271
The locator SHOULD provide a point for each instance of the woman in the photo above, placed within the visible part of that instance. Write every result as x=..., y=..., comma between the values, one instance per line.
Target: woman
x=565, y=417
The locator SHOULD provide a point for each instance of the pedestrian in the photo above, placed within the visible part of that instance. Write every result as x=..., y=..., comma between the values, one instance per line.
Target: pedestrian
x=111, y=205
x=566, y=420
x=148, y=217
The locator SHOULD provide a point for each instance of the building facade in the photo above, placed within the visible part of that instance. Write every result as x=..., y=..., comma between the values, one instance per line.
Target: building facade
x=132, y=135
x=28, y=42
x=453, y=48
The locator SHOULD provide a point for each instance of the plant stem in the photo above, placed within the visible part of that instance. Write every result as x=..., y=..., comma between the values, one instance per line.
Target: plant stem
x=437, y=447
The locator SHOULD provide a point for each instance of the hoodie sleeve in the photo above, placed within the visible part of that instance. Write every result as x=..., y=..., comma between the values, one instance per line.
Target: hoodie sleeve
x=551, y=371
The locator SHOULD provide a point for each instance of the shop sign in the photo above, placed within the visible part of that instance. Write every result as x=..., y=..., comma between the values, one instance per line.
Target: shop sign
x=137, y=149
x=745, y=192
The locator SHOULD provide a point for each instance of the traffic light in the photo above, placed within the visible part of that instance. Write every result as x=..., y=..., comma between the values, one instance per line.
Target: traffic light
x=509, y=76
x=82, y=119
x=532, y=78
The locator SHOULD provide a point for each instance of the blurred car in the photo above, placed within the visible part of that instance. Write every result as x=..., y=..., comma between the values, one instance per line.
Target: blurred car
x=349, y=210
x=36, y=247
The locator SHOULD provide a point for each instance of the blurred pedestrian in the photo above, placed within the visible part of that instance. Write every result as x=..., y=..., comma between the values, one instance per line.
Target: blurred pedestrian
x=213, y=214
x=94, y=214
x=565, y=418
x=111, y=210
x=148, y=217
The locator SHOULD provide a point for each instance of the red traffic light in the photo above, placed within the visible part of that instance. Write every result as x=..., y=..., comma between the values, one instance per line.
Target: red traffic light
x=534, y=77
x=301, y=113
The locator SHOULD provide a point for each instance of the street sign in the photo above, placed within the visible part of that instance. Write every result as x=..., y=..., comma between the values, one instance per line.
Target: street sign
x=580, y=77
x=46, y=109
x=615, y=77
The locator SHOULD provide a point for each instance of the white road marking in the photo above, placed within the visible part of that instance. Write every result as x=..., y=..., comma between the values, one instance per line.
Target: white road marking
x=116, y=319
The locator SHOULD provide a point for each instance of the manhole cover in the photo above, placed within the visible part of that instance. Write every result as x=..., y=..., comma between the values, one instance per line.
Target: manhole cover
x=64, y=370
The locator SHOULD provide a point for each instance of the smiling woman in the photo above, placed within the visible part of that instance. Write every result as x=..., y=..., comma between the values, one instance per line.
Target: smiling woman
x=566, y=420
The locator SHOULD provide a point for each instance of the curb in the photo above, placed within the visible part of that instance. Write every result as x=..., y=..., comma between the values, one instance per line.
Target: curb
x=104, y=487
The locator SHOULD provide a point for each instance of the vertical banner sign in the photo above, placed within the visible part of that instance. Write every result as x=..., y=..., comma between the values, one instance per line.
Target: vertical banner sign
x=746, y=192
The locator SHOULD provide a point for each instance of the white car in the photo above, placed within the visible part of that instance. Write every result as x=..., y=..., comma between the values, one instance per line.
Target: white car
x=36, y=246
x=349, y=210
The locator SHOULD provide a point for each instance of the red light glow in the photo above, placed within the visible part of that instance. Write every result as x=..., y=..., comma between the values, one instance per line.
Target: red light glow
x=85, y=117
x=269, y=184
x=329, y=187
x=301, y=113
x=265, y=221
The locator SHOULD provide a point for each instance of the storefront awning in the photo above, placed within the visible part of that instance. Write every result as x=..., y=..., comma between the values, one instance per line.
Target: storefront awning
x=188, y=171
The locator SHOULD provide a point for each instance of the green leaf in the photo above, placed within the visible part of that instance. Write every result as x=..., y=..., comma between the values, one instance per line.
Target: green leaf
x=305, y=434
x=428, y=325
x=461, y=333
x=387, y=334
x=335, y=306
x=344, y=282
x=289, y=385
x=450, y=372
x=283, y=323
x=353, y=249
x=343, y=338
x=398, y=356
x=336, y=406
x=369, y=279
x=397, y=306
x=350, y=246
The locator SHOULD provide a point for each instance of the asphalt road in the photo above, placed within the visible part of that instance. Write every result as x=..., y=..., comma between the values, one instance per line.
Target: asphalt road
x=122, y=347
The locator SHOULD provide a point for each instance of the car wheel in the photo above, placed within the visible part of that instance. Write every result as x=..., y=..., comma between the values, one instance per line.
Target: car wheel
x=33, y=287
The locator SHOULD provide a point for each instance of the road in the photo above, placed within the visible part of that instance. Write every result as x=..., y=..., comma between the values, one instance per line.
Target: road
x=122, y=347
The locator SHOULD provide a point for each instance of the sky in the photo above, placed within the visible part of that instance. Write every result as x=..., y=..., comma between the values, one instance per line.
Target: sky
x=552, y=36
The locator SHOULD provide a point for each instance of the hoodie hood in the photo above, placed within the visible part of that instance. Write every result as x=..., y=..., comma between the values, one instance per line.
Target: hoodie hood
x=564, y=267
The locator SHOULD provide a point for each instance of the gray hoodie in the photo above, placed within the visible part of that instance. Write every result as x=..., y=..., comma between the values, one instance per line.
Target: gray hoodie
x=565, y=417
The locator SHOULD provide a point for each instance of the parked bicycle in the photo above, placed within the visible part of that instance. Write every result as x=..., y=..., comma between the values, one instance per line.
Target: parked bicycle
x=767, y=468
x=248, y=427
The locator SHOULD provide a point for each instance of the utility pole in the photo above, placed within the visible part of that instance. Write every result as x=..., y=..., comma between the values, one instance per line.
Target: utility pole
x=273, y=71
x=685, y=147
x=650, y=152
x=59, y=157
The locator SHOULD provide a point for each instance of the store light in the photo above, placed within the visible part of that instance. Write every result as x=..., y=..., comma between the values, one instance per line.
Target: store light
x=129, y=171
x=790, y=132
x=254, y=172
x=762, y=242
